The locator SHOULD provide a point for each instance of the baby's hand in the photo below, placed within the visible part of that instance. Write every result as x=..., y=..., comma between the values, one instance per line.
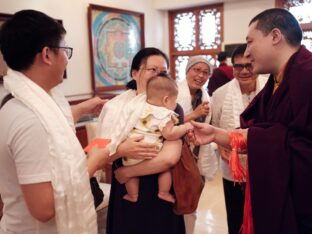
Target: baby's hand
x=188, y=126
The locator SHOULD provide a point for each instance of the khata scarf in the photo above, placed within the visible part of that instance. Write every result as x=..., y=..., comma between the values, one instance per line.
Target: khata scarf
x=119, y=116
x=233, y=103
x=207, y=160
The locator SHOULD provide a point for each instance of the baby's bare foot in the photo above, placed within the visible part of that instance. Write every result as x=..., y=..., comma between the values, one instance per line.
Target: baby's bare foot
x=131, y=198
x=166, y=196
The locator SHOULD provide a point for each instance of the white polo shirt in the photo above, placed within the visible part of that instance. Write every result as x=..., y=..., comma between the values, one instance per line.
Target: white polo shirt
x=23, y=160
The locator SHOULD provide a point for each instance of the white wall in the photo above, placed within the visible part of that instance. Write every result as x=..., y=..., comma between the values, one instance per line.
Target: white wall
x=74, y=16
x=237, y=14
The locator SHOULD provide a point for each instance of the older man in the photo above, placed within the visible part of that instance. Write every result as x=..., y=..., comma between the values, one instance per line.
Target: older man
x=228, y=102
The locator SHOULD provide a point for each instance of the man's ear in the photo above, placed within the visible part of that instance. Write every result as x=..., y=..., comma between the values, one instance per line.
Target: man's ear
x=46, y=55
x=276, y=36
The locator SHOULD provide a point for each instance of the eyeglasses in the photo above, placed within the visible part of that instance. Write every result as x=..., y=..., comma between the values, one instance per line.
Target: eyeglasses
x=154, y=70
x=68, y=50
x=240, y=67
x=199, y=71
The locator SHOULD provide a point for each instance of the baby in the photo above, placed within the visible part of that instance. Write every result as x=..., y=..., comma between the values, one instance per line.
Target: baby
x=157, y=122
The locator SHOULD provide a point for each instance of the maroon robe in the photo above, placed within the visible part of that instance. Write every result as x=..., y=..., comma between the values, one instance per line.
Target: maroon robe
x=219, y=77
x=280, y=150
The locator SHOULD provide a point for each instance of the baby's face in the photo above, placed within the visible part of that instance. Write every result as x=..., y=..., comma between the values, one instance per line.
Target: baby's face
x=172, y=102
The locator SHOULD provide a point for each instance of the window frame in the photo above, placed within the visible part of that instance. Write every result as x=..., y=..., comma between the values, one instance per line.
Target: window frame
x=173, y=52
x=306, y=27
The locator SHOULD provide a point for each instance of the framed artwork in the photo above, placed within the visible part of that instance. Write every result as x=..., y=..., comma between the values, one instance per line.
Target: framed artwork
x=3, y=66
x=115, y=36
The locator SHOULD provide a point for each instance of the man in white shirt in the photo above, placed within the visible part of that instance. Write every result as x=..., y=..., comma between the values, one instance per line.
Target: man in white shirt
x=228, y=102
x=44, y=173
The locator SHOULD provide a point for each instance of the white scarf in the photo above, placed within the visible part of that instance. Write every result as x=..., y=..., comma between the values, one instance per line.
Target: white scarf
x=233, y=103
x=232, y=107
x=74, y=207
x=119, y=116
x=207, y=160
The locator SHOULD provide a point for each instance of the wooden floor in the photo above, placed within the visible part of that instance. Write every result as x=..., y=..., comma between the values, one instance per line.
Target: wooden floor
x=211, y=214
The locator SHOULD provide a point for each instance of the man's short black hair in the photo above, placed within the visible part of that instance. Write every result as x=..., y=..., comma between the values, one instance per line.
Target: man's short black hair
x=221, y=56
x=26, y=34
x=238, y=52
x=281, y=19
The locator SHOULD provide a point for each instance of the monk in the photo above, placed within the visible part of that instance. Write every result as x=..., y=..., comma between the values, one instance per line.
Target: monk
x=277, y=127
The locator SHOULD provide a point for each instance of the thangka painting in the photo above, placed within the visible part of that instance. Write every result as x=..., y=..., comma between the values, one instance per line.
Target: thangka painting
x=115, y=37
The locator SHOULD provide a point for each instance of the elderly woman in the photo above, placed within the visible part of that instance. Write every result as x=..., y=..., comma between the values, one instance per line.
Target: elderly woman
x=150, y=214
x=228, y=102
x=195, y=102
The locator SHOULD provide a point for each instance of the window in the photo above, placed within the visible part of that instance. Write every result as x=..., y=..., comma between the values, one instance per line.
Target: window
x=194, y=31
x=302, y=11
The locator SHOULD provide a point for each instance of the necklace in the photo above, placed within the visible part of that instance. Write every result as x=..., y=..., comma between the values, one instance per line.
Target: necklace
x=276, y=84
x=278, y=79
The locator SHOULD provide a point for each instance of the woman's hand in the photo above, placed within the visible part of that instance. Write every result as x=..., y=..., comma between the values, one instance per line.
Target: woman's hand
x=201, y=110
x=136, y=149
x=167, y=157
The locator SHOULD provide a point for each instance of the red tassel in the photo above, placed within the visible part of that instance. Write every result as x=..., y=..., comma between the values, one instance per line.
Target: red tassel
x=247, y=227
x=237, y=142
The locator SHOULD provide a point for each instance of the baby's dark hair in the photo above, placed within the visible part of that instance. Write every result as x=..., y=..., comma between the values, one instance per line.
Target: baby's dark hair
x=161, y=85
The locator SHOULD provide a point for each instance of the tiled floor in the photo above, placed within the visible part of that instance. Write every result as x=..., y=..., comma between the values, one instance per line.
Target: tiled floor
x=211, y=214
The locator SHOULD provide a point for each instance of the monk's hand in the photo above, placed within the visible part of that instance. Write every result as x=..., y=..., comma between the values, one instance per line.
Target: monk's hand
x=136, y=149
x=202, y=133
